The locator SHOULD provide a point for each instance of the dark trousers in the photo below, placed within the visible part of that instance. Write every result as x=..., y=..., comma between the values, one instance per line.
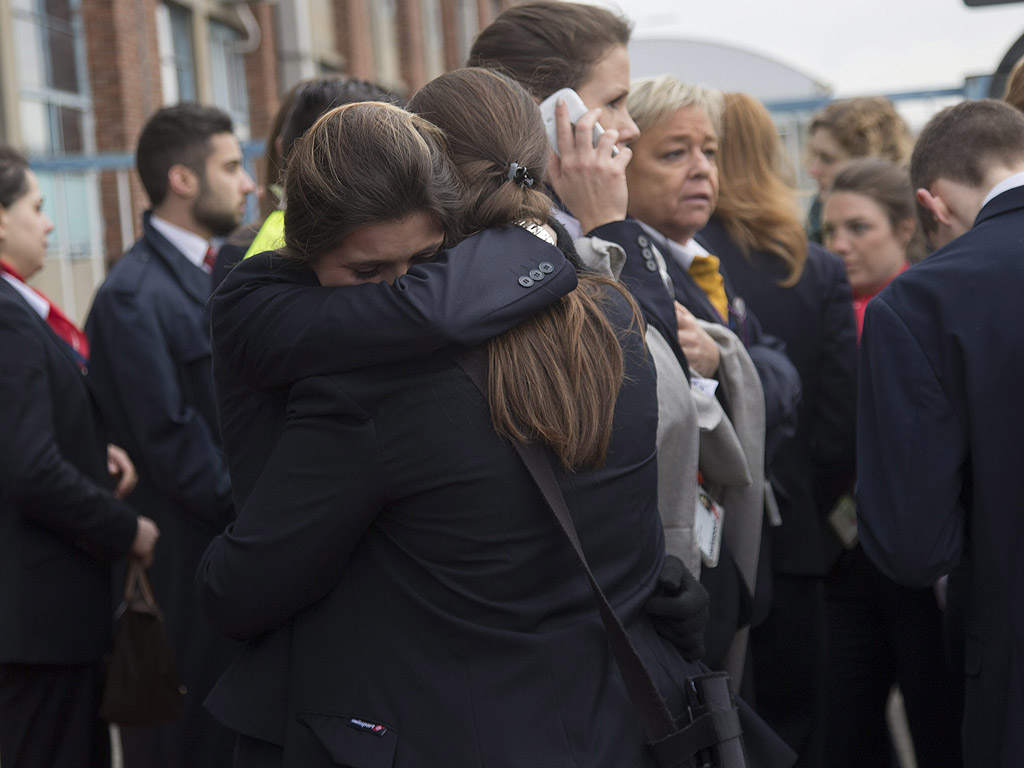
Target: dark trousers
x=788, y=664
x=882, y=634
x=49, y=717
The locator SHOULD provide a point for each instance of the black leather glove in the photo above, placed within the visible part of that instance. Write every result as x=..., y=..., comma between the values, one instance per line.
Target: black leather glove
x=679, y=608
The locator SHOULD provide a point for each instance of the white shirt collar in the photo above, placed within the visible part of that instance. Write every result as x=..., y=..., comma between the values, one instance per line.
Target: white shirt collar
x=37, y=302
x=189, y=244
x=1011, y=182
x=682, y=253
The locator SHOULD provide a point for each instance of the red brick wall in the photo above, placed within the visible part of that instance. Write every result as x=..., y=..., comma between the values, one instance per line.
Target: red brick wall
x=410, y=45
x=124, y=74
x=355, y=42
x=261, y=74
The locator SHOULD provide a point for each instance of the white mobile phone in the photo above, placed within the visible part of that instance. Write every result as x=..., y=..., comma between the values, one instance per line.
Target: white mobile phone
x=576, y=110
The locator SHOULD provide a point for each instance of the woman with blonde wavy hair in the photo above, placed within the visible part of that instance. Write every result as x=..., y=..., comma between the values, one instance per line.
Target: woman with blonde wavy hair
x=800, y=293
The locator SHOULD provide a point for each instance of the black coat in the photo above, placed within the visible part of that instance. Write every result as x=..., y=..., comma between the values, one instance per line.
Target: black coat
x=60, y=525
x=273, y=324
x=940, y=454
x=150, y=347
x=814, y=318
x=419, y=571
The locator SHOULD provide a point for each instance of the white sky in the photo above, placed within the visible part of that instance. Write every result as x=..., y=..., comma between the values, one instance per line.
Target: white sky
x=855, y=46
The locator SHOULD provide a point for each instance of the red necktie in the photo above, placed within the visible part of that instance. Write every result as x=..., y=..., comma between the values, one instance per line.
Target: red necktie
x=209, y=259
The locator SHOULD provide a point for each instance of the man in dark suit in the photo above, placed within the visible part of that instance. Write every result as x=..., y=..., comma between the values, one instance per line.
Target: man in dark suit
x=939, y=447
x=62, y=520
x=151, y=360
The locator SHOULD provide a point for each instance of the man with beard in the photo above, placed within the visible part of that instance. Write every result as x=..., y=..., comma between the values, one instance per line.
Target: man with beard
x=151, y=364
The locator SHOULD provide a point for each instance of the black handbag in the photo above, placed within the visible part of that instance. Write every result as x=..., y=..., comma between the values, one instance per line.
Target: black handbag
x=141, y=686
x=711, y=736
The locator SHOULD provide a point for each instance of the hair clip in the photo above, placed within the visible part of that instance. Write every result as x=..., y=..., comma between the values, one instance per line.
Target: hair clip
x=520, y=175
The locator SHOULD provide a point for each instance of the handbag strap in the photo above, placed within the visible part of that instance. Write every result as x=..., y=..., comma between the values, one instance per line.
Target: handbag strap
x=135, y=580
x=657, y=721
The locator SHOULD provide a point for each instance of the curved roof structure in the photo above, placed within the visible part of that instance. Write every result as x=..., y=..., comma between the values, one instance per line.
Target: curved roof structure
x=723, y=67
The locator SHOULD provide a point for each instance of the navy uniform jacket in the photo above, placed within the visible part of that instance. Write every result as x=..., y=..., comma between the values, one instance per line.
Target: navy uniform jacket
x=273, y=324
x=60, y=525
x=815, y=320
x=425, y=583
x=940, y=454
x=150, y=346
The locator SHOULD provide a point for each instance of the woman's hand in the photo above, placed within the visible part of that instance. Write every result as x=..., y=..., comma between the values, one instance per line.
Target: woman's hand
x=146, y=535
x=121, y=470
x=702, y=352
x=588, y=179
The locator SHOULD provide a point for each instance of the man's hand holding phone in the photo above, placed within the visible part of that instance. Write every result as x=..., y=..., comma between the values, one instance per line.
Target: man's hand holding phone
x=589, y=177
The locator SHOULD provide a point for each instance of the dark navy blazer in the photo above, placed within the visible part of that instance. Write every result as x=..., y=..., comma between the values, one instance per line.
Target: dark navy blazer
x=150, y=346
x=60, y=525
x=814, y=318
x=940, y=454
x=419, y=570
x=273, y=324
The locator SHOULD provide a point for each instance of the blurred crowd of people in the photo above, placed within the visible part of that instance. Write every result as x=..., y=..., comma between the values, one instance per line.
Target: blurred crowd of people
x=789, y=444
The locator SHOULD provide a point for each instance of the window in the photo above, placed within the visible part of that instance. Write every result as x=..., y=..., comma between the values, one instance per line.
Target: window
x=177, y=60
x=55, y=111
x=53, y=100
x=227, y=74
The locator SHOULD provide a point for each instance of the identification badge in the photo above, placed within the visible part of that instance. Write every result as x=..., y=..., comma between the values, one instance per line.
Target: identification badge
x=708, y=527
x=707, y=386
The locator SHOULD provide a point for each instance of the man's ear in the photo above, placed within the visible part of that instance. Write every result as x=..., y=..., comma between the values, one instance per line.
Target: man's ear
x=936, y=205
x=182, y=181
x=3, y=223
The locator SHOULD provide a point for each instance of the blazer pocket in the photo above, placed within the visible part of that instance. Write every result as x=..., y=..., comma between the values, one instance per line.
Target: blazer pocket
x=355, y=742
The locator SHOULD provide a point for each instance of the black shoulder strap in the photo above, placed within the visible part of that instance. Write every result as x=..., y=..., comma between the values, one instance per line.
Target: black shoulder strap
x=654, y=715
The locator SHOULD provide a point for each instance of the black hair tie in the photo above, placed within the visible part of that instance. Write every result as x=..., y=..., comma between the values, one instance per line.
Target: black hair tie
x=520, y=174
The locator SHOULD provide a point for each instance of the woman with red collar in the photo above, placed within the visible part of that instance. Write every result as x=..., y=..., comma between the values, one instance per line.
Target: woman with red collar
x=63, y=520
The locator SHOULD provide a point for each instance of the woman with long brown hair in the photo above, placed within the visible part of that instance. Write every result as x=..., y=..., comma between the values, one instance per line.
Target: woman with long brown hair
x=436, y=614
x=800, y=294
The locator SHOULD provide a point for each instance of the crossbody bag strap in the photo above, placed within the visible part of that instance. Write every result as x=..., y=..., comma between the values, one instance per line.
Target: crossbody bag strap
x=651, y=709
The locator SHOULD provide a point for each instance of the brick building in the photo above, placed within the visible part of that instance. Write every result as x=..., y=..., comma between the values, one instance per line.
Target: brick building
x=79, y=77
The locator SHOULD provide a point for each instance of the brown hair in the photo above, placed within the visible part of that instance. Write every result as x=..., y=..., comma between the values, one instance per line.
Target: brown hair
x=961, y=142
x=888, y=185
x=360, y=164
x=1014, y=94
x=549, y=45
x=868, y=126
x=554, y=377
x=13, y=176
x=759, y=209
x=178, y=134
